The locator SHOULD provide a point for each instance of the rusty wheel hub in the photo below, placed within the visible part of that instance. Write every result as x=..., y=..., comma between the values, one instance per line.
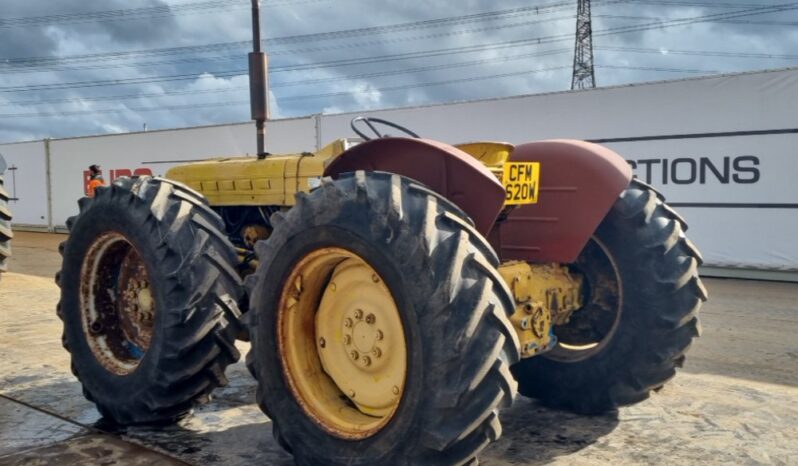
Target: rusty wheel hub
x=116, y=302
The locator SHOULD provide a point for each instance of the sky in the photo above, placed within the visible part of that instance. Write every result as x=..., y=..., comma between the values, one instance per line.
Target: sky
x=86, y=67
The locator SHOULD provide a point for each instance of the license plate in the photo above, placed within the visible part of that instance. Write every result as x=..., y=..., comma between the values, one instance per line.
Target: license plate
x=521, y=182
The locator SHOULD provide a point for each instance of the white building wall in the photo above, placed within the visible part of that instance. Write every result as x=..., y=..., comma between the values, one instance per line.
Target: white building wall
x=26, y=181
x=745, y=217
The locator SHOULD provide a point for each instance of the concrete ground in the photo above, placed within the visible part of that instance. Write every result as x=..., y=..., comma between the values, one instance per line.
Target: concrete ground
x=735, y=402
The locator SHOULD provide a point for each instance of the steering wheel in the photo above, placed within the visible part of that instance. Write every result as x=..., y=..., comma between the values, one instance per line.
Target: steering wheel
x=369, y=121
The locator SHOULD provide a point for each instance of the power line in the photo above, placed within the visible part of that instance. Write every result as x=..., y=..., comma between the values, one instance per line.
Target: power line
x=535, y=41
x=721, y=21
x=661, y=69
x=140, y=13
x=295, y=83
x=289, y=98
x=700, y=53
x=293, y=39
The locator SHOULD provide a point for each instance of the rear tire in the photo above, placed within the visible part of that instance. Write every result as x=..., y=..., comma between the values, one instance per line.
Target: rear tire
x=650, y=282
x=5, y=227
x=454, y=310
x=189, y=270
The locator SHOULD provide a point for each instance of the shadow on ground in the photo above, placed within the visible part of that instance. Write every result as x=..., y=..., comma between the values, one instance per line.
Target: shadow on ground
x=533, y=434
x=231, y=429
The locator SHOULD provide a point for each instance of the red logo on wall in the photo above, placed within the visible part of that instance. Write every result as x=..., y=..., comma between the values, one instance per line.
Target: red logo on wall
x=114, y=174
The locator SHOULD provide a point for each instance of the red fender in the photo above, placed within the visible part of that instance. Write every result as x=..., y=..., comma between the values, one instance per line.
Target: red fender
x=445, y=169
x=579, y=183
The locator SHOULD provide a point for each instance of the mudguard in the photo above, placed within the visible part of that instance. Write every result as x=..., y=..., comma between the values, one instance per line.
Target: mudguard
x=445, y=169
x=579, y=183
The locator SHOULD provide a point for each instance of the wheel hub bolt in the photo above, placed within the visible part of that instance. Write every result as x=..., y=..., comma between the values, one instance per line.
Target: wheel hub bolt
x=395, y=390
x=354, y=355
x=347, y=340
x=322, y=342
x=378, y=335
x=377, y=352
x=358, y=314
x=347, y=322
x=366, y=361
x=96, y=327
x=375, y=278
x=370, y=319
x=351, y=393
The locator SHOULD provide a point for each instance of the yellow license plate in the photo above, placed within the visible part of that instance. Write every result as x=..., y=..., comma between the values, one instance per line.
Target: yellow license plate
x=521, y=181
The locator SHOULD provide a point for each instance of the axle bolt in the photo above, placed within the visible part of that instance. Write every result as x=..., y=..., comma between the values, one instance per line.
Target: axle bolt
x=358, y=314
x=370, y=319
x=528, y=308
x=322, y=342
x=395, y=390
x=96, y=327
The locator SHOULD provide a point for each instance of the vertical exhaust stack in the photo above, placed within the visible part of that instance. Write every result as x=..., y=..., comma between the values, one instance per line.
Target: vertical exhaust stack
x=258, y=82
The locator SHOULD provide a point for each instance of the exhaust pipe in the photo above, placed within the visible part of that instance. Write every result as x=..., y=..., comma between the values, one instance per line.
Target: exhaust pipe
x=258, y=83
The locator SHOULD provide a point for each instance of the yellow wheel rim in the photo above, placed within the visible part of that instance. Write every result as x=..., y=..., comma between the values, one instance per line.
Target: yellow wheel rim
x=342, y=343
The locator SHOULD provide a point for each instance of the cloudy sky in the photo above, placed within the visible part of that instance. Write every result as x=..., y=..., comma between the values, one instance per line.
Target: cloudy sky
x=80, y=67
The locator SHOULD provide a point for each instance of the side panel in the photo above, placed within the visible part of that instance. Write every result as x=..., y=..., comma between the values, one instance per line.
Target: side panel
x=579, y=183
x=443, y=168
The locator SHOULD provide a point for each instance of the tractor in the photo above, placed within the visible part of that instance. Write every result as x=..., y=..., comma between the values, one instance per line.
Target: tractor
x=5, y=220
x=397, y=292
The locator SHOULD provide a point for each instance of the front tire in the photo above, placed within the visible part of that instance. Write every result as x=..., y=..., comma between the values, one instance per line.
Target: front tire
x=639, y=318
x=5, y=227
x=148, y=300
x=442, y=320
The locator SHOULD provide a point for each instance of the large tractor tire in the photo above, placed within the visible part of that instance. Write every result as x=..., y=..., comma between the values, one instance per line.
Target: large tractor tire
x=148, y=300
x=640, y=314
x=380, y=331
x=5, y=227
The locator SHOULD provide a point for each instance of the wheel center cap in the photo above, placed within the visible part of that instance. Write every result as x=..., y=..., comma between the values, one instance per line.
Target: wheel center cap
x=364, y=337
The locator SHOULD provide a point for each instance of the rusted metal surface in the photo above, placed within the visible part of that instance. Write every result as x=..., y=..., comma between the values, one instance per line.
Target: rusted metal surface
x=588, y=330
x=545, y=294
x=443, y=168
x=117, y=303
x=579, y=183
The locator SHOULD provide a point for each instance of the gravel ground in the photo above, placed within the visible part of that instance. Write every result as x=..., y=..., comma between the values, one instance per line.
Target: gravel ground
x=735, y=402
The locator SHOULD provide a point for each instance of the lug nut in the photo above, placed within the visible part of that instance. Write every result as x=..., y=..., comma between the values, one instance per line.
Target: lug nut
x=528, y=308
x=322, y=342
x=377, y=352
x=375, y=278
x=395, y=390
x=358, y=314
x=332, y=286
x=347, y=340
x=347, y=322
x=370, y=319
x=378, y=336
x=354, y=355
x=366, y=361
x=351, y=393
